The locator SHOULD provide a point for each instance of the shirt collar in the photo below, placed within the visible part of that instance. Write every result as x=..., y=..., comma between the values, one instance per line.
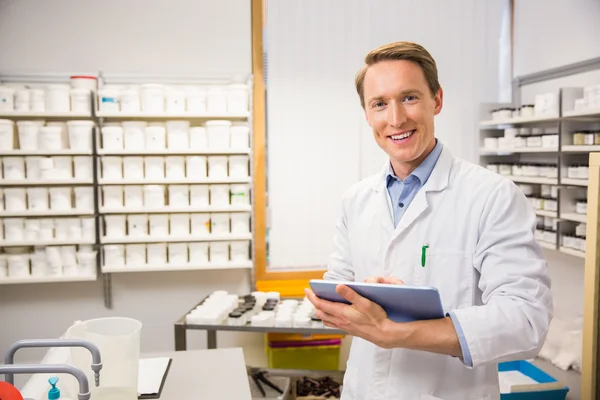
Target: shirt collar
x=423, y=170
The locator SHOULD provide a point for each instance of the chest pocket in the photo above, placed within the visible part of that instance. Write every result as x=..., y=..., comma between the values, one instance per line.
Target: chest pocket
x=451, y=272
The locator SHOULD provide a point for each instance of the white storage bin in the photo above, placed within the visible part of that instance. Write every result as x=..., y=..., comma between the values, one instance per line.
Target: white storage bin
x=112, y=138
x=240, y=251
x=113, y=196
x=159, y=225
x=115, y=226
x=37, y=199
x=156, y=253
x=179, y=195
x=134, y=197
x=14, y=168
x=240, y=195
x=109, y=99
x=50, y=138
x=58, y=98
x=18, y=265
x=133, y=167
x=198, y=253
x=80, y=135
x=137, y=225
x=75, y=229
x=134, y=134
x=6, y=134
x=32, y=230
x=179, y=224
x=83, y=167
x=219, y=224
x=175, y=100
x=175, y=167
x=153, y=98
x=219, y=252
x=54, y=261
x=238, y=98
x=195, y=167
x=130, y=101
x=240, y=223
x=112, y=167
x=46, y=168
x=238, y=166
x=114, y=255
x=155, y=167
x=81, y=100
x=87, y=263
x=87, y=82
x=29, y=132
x=199, y=196
x=60, y=199
x=63, y=167
x=135, y=255
x=39, y=266
x=88, y=228
x=178, y=253
x=14, y=229
x=178, y=135
x=68, y=257
x=7, y=98
x=196, y=101
x=46, y=229
x=198, y=138
x=156, y=136
x=37, y=100
x=14, y=199
x=239, y=133
x=216, y=100
x=61, y=228
x=22, y=100
x=217, y=167
x=219, y=195
x=84, y=198
x=154, y=196
x=200, y=224
x=218, y=134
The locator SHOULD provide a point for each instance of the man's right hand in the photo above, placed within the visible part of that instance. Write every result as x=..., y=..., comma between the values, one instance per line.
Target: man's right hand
x=380, y=279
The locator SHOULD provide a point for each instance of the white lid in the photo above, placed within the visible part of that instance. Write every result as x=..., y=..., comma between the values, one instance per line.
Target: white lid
x=28, y=123
x=197, y=129
x=238, y=86
x=154, y=188
x=80, y=123
x=51, y=129
x=218, y=123
x=156, y=124
x=134, y=123
x=6, y=122
x=240, y=123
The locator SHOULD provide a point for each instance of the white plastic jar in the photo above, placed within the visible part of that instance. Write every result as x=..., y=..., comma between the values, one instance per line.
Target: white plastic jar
x=81, y=100
x=240, y=223
x=153, y=98
x=37, y=100
x=80, y=135
x=6, y=134
x=196, y=100
x=216, y=100
x=60, y=198
x=240, y=195
x=219, y=195
x=109, y=99
x=217, y=167
x=130, y=100
x=7, y=98
x=63, y=167
x=112, y=168
x=114, y=255
x=200, y=224
x=178, y=253
x=179, y=225
x=84, y=198
x=133, y=167
x=239, y=135
x=28, y=134
x=22, y=100
x=219, y=224
x=219, y=252
x=178, y=136
x=14, y=168
x=179, y=195
x=198, y=138
x=46, y=167
x=175, y=167
x=58, y=98
x=14, y=229
x=134, y=133
x=37, y=199
x=156, y=136
x=175, y=100
x=114, y=226
x=238, y=98
x=159, y=224
x=198, y=253
x=112, y=138
x=156, y=254
x=240, y=251
x=154, y=196
x=154, y=167
x=137, y=225
x=86, y=82
x=218, y=134
x=134, y=197
x=113, y=197
x=239, y=166
x=199, y=195
x=195, y=167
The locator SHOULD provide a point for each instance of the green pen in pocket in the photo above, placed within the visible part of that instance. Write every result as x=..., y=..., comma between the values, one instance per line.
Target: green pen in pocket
x=424, y=255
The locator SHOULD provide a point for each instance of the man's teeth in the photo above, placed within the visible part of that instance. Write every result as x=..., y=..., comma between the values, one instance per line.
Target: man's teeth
x=403, y=136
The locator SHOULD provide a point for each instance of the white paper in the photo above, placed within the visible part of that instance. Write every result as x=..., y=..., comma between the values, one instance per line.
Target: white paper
x=510, y=378
x=151, y=374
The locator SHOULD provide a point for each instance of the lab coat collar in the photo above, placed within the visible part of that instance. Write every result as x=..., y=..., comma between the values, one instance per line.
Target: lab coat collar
x=440, y=176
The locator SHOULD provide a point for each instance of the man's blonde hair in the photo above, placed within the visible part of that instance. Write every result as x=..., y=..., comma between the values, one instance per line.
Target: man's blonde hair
x=400, y=51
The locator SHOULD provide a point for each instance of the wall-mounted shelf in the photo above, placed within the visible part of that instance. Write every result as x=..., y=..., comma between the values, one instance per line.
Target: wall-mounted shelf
x=533, y=179
x=45, y=115
x=46, y=213
x=572, y=252
x=47, y=182
x=580, y=149
x=176, y=210
x=519, y=121
x=145, y=115
x=574, y=182
x=587, y=113
x=47, y=279
x=179, y=267
x=53, y=242
x=173, y=152
x=172, y=181
x=175, y=239
x=574, y=217
x=509, y=152
x=63, y=152
x=544, y=213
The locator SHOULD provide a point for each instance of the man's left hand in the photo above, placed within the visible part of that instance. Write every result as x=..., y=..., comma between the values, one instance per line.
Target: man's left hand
x=361, y=318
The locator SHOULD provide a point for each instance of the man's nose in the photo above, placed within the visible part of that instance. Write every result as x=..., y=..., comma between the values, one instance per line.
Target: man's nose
x=397, y=115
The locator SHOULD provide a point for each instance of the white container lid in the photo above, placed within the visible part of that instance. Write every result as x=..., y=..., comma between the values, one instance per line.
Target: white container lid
x=6, y=122
x=27, y=123
x=74, y=77
x=80, y=123
x=51, y=129
x=218, y=123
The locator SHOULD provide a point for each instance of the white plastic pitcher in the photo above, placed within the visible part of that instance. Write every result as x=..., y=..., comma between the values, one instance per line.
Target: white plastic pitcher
x=119, y=342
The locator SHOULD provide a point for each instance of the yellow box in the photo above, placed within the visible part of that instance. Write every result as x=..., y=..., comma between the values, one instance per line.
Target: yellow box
x=321, y=358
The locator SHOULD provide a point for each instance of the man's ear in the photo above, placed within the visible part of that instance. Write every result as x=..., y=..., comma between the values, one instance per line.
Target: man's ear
x=439, y=101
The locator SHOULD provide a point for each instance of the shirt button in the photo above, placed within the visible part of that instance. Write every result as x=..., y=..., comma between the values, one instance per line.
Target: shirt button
x=401, y=205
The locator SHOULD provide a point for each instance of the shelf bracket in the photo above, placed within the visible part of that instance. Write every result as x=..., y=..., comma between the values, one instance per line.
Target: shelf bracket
x=107, y=286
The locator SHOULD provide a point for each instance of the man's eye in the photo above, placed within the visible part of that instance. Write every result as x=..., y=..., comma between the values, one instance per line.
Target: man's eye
x=410, y=98
x=378, y=104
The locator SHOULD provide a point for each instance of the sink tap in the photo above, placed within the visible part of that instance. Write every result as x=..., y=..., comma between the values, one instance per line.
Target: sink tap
x=96, y=358
x=84, y=387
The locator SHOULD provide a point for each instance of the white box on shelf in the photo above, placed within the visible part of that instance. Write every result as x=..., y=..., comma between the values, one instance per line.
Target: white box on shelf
x=179, y=224
x=240, y=195
x=219, y=252
x=133, y=167
x=198, y=138
x=114, y=255
x=154, y=167
x=137, y=225
x=39, y=266
x=219, y=195
x=113, y=196
x=88, y=228
x=199, y=195
x=115, y=226
x=112, y=168
x=46, y=168
x=175, y=167
x=61, y=228
x=18, y=265
x=14, y=168
x=58, y=98
x=84, y=198
x=159, y=225
x=154, y=196
x=153, y=98
x=179, y=195
x=47, y=229
x=80, y=135
x=216, y=100
x=130, y=101
x=195, y=167
x=238, y=98
x=14, y=199
x=240, y=251
x=218, y=134
x=219, y=224
x=6, y=134
x=156, y=253
x=239, y=135
x=81, y=100
x=75, y=229
x=32, y=167
x=7, y=98
x=83, y=167
x=175, y=100
x=68, y=256
x=238, y=166
x=156, y=133
x=32, y=230
x=198, y=253
x=135, y=254
x=29, y=132
x=196, y=100
x=134, y=133
x=178, y=135
x=37, y=199
x=63, y=167
x=200, y=224
x=37, y=100
x=217, y=167
x=60, y=198
x=112, y=137
x=134, y=197
x=14, y=229
x=178, y=253
x=240, y=223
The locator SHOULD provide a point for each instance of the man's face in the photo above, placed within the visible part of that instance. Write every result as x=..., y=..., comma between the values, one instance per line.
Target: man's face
x=400, y=109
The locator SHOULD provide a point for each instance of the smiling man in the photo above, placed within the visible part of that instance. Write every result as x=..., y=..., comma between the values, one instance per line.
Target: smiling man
x=431, y=219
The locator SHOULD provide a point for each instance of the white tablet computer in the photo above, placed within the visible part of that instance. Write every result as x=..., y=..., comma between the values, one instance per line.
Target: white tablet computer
x=402, y=303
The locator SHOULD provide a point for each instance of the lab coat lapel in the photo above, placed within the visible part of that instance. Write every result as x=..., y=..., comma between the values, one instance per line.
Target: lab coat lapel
x=384, y=213
x=437, y=182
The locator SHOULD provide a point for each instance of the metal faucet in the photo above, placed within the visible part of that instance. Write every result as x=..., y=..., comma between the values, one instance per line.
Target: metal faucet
x=96, y=358
x=84, y=388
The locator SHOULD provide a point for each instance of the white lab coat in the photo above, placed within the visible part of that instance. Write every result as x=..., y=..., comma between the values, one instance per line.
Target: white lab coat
x=483, y=259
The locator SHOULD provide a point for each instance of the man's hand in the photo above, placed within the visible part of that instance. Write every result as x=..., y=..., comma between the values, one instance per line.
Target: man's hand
x=380, y=279
x=362, y=318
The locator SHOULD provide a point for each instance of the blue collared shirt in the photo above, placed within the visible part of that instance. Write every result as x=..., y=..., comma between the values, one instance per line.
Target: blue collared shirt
x=401, y=194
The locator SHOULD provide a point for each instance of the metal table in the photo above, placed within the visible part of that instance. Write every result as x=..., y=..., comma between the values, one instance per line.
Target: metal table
x=181, y=328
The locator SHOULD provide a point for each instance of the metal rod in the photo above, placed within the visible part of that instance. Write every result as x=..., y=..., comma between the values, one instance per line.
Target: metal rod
x=211, y=339
x=559, y=72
